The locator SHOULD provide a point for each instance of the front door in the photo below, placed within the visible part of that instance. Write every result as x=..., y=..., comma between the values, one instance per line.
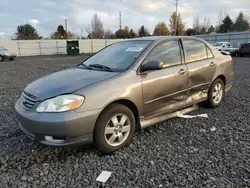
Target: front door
x=201, y=66
x=165, y=90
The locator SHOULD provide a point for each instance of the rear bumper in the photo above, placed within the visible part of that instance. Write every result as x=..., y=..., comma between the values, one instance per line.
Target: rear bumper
x=58, y=129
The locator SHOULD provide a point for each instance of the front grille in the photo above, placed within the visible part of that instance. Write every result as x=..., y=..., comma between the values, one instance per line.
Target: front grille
x=28, y=101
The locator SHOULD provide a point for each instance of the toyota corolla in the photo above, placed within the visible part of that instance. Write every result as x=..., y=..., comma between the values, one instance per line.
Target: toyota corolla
x=126, y=86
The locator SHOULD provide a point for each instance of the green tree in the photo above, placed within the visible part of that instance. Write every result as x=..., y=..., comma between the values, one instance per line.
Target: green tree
x=121, y=34
x=203, y=30
x=176, y=25
x=143, y=32
x=60, y=33
x=226, y=26
x=241, y=23
x=27, y=32
x=161, y=29
x=211, y=29
x=131, y=34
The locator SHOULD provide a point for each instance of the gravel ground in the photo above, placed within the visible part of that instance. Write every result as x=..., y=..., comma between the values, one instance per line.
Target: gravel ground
x=213, y=152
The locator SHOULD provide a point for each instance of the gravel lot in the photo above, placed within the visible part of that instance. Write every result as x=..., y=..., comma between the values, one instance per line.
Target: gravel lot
x=176, y=153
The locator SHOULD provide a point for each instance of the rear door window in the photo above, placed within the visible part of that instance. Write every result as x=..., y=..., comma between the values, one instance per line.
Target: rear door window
x=194, y=50
x=209, y=53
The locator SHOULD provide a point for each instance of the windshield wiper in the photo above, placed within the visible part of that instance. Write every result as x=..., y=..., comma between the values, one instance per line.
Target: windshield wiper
x=84, y=66
x=102, y=67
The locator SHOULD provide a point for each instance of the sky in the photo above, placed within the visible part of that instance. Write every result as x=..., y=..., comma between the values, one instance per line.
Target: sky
x=46, y=15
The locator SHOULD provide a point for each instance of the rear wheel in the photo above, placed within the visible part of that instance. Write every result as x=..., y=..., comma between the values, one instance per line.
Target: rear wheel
x=216, y=93
x=114, y=128
x=11, y=59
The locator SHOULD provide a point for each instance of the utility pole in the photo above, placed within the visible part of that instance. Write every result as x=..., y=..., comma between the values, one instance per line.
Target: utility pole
x=176, y=19
x=81, y=34
x=120, y=18
x=66, y=28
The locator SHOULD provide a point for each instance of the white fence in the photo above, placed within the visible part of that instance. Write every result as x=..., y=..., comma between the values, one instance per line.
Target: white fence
x=236, y=37
x=50, y=47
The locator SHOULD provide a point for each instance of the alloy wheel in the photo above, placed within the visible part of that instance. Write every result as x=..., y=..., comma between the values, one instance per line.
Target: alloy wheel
x=117, y=129
x=217, y=93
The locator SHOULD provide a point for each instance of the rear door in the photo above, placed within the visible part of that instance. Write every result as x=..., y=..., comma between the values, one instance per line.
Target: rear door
x=201, y=66
x=165, y=90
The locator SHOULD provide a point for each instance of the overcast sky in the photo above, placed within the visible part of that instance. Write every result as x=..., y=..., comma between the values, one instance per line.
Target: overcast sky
x=46, y=15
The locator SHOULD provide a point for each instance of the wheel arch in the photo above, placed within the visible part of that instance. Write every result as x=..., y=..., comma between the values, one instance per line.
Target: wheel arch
x=130, y=105
x=223, y=78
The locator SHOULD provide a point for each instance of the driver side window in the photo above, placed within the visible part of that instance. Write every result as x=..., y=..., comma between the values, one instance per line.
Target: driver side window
x=168, y=52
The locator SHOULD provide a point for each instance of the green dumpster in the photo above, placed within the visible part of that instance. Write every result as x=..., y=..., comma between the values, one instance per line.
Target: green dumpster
x=73, y=47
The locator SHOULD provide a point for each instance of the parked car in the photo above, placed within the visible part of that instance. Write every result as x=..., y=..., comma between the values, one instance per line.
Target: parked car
x=5, y=54
x=244, y=50
x=226, y=48
x=126, y=86
x=222, y=45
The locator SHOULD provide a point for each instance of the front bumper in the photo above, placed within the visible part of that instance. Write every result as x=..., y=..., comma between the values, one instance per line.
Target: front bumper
x=9, y=56
x=58, y=129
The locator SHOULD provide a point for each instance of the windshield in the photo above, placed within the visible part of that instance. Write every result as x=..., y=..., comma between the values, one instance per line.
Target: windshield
x=118, y=57
x=218, y=44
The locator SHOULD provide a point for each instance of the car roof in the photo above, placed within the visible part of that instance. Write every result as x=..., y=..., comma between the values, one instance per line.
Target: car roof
x=161, y=38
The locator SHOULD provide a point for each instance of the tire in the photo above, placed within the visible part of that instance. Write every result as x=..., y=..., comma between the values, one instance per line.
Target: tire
x=216, y=94
x=115, y=138
x=11, y=59
x=1, y=58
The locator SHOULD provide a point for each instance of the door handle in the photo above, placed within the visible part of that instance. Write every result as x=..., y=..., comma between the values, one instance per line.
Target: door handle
x=212, y=64
x=182, y=71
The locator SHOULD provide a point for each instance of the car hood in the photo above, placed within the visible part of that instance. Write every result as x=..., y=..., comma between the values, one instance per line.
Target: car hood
x=65, y=82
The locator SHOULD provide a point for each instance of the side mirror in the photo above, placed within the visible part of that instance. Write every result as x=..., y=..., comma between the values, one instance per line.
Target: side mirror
x=223, y=46
x=152, y=65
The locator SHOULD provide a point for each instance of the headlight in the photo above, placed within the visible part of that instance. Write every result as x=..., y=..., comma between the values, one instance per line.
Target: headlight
x=61, y=103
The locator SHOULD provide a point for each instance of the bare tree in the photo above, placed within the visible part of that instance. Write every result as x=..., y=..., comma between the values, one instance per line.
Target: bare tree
x=205, y=26
x=219, y=22
x=108, y=34
x=196, y=24
x=206, y=23
x=96, y=31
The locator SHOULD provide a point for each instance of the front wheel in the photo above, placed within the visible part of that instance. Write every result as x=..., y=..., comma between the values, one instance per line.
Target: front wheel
x=114, y=129
x=216, y=93
x=1, y=58
x=11, y=59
